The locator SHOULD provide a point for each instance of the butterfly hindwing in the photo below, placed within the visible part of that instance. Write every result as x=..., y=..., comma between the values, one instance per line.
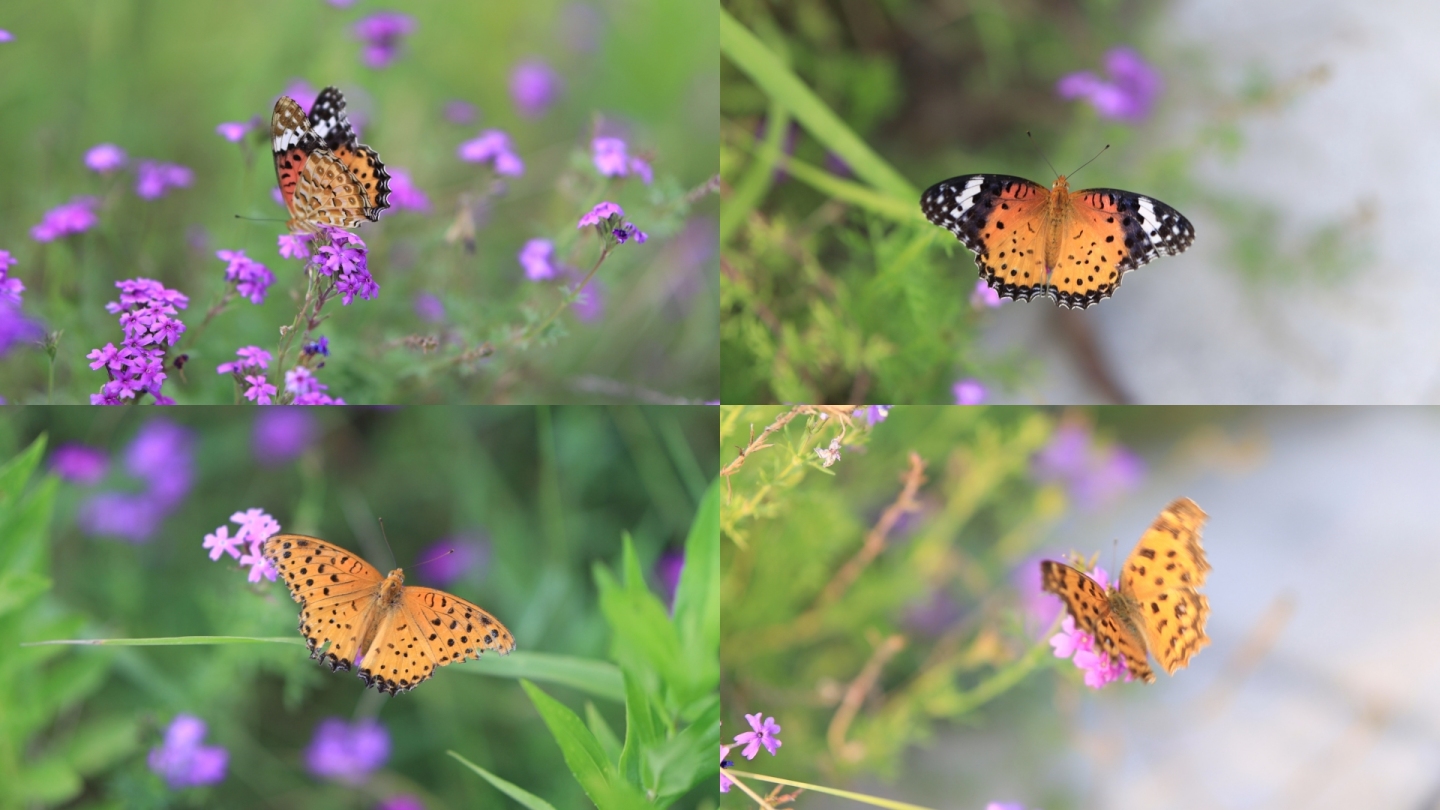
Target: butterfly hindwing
x=332, y=126
x=1162, y=576
x=1000, y=218
x=1090, y=606
x=336, y=591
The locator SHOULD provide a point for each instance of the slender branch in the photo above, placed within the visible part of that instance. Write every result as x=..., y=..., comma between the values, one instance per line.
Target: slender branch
x=841, y=412
x=744, y=788
x=875, y=540
x=847, y=794
x=855, y=695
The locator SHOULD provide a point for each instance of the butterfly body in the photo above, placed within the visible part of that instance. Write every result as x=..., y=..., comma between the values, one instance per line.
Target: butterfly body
x=326, y=176
x=1072, y=246
x=395, y=635
x=1157, y=607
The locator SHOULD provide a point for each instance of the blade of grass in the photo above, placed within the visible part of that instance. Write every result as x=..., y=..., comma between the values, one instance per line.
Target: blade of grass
x=515, y=792
x=593, y=677
x=751, y=56
x=173, y=641
x=859, y=797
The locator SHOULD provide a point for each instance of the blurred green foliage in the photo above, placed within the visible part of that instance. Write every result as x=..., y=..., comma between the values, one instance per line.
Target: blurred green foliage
x=834, y=117
x=558, y=495
x=156, y=78
x=861, y=654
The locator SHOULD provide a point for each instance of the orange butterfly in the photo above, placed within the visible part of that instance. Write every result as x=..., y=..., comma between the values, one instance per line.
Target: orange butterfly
x=1073, y=247
x=325, y=178
x=396, y=635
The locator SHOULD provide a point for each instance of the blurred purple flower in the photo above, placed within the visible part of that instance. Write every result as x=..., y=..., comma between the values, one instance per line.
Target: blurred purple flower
x=984, y=296
x=429, y=308
x=493, y=146
x=345, y=752
x=341, y=3
x=725, y=763
x=612, y=160
x=153, y=179
x=537, y=257
x=105, y=157
x=969, y=392
x=404, y=194
x=1004, y=806
x=161, y=455
x=73, y=217
x=460, y=112
x=762, y=734
x=441, y=568
x=667, y=570
x=295, y=245
x=837, y=166
x=79, y=463
x=1129, y=94
x=233, y=131
x=182, y=760
x=1038, y=607
x=534, y=86
x=251, y=278
x=933, y=614
x=381, y=32
x=303, y=94
x=601, y=212
x=1093, y=474
x=320, y=346
x=251, y=358
x=6, y=36
x=875, y=414
x=345, y=259
x=15, y=326
x=401, y=802
x=590, y=306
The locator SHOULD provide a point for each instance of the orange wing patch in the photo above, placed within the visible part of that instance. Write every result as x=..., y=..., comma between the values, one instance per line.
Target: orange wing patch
x=326, y=194
x=1092, y=609
x=332, y=126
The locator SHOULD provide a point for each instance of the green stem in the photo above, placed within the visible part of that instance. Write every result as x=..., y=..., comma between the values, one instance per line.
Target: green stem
x=569, y=299
x=288, y=339
x=845, y=794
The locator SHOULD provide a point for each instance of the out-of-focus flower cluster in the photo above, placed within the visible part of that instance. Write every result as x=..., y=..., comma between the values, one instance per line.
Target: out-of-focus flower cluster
x=161, y=456
x=1094, y=473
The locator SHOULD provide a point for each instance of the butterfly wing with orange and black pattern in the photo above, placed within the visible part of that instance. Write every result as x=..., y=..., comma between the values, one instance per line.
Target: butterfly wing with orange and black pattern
x=332, y=126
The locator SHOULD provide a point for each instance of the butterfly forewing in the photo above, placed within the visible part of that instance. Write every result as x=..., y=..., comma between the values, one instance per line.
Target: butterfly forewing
x=1090, y=606
x=1162, y=575
x=336, y=591
x=332, y=126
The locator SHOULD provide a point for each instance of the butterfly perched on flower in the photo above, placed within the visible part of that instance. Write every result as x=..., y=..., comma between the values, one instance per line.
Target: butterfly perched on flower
x=1072, y=246
x=326, y=176
x=1156, y=608
x=394, y=634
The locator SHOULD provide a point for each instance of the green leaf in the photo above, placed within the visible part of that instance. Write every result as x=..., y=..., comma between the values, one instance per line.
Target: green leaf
x=515, y=792
x=640, y=732
x=697, y=598
x=50, y=780
x=602, y=732
x=598, y=678
x=688, y=757
x=642, y=635
x=583, y=754
x=18, y=589
x=17, y=471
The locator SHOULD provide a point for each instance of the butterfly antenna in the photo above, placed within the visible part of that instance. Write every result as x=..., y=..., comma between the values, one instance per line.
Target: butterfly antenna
x=1041, y=151
x=1091, y=160
x=381, y=521
x=436, y=557
x=260, y=219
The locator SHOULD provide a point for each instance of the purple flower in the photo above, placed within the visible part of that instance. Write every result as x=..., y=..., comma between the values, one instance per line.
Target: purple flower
x=160, y=455
x=439, y=567
x=300, y=381
x=1079, y=646
x=281, y=434
x=763, y=734
x=403, y=194
x=1038, y=607
x=182, y=760
x=590, y=305
x=460, y=112
x=220, y=542
x=493, y=146
x=381, y=33
x=1128, y=96
x=10, y=288
x=725, y=763
x=1004, y=806
x=152, y=178
x=347, y=752
x=303, y=94
x=667, y=570
x=260, y=391
x=984, y=296
x=611, y=160
x=73, y=217
x=295, y=245
x=401, y=802
x=344, y=259
x=15, y=326
x=255, y=528
x=341, y=3
x=1093, y=473
x=6, y=36
x=147, y=315
x=251, y=278
x=429, y=308
x=251, y=357
x=875, y=414
x=537, y=259
x=933, y=614
x=534, y=86
x=320, y=346
x=968, y=392
x=79, y=463
x=105, y=157
x=600, y=213
x=233, y=131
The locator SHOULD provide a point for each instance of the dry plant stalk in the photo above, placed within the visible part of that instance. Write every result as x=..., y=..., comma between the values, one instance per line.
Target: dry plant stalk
x=839, y=412
x=854, y=696
x=904, y=503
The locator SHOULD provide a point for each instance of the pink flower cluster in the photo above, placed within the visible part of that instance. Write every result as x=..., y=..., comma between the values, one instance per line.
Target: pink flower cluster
x=612, y=160
x=249, y=371
x=255, y=528
x=493, y=147
x=345, y=260
x=1079, y=646
x=147, y=315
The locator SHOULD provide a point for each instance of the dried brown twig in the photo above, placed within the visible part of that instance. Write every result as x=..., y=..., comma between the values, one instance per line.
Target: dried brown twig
x=875, y=540
x=854, y=696
x=840, y=412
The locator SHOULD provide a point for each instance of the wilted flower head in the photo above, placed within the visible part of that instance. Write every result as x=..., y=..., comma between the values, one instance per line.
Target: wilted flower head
x=251, y=278
x=281, y=434
x=381, y=33
x=347, y=752
x=537, y=257
x=182, y=760
x=534, y=86
x=969, y=392
x=829, y=455
x=439, y=567
x=153, y=179
x=493, y=146
x=79, y=463
x=1127, y=96
x=105, y=157
x=73, y=217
